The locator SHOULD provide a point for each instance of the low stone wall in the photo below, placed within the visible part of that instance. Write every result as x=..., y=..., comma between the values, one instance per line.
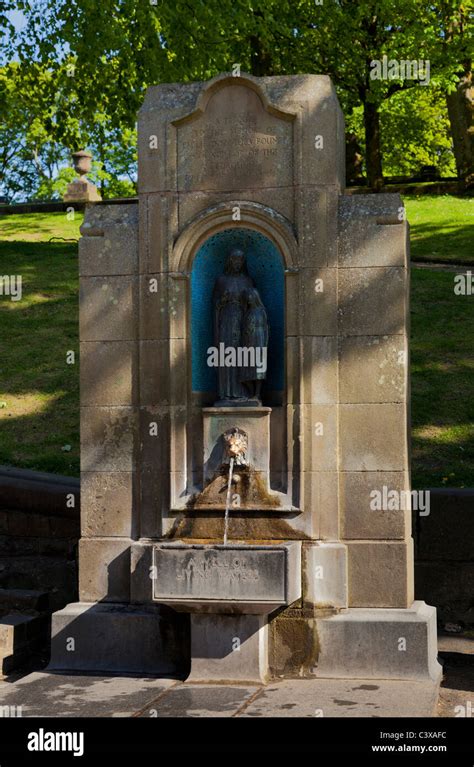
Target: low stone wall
x=444, y=555
x=57, y=206
x=39, y=530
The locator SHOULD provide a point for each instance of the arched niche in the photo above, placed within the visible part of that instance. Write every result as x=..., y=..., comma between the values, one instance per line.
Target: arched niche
x=266, y=268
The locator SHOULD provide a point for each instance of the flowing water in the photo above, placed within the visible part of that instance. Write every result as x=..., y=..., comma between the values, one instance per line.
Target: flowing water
x=227, y=503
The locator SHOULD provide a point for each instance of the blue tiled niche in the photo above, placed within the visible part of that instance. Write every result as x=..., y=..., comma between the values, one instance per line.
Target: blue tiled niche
x=265, y=267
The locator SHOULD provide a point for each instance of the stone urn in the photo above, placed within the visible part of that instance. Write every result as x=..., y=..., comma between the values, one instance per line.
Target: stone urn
x=82, y=162
x=81, y=189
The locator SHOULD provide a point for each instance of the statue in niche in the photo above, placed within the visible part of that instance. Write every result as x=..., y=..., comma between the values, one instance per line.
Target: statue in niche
x=240, y=335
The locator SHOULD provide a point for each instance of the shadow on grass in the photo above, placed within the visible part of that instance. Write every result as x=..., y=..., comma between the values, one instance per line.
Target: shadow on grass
x=442, y=382
x=442, y=242
x=39, y=391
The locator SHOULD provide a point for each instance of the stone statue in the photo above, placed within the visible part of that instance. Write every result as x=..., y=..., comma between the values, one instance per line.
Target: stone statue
x=240, y=334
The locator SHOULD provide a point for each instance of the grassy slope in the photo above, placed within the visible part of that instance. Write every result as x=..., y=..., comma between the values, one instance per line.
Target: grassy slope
x=39, y=392
x=39, y=227
x=441, y=228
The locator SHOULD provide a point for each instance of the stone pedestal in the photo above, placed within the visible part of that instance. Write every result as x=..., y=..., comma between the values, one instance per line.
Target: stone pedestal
x=229, y=590
x=384, y=644
x=117, y=638
x=232, y=648
x=82, y=190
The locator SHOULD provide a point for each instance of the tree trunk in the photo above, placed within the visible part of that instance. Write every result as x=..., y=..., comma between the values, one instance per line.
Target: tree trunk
x=373, y=154
x=260, y=59
x=261, y=64
x=460, y=111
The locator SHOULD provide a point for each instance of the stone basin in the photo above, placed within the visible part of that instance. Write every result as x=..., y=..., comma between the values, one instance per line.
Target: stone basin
x=237, y=578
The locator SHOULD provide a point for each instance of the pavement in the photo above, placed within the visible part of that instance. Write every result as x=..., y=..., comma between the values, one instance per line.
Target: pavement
x=43, y=693
x=52, y=694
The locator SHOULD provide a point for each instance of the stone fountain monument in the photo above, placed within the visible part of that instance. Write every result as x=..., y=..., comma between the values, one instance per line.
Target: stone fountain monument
x=244, y=391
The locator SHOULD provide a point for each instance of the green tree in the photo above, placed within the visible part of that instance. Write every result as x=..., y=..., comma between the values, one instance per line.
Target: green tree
x=105, y=54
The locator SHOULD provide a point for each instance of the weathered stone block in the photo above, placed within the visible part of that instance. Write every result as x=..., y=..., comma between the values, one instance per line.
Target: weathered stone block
x=319, y=503
x=357, y=491
x=380, y=574
x=155, y=437
x=104, y=570
x=316, y=223
x=108, y=437
x=108, y=373
x=325, y=575
x=319, y=363
x=158, y=226
x=319, y=437
x=107, y=503
x=372, y=301
x=113, y=252
x=364, y=644
x=116, y=638
x=317, y=306
x=155, y=500
x=365, y=242
x=322, y=154
x=99, y=215
x=373, y=437
x=233, y=648
x=383, y=207
x=236, y=578
x=193, y=203
x=163, y=307
x=373, y=369
x=155, y=172
x=163, y=372
x=108, y=309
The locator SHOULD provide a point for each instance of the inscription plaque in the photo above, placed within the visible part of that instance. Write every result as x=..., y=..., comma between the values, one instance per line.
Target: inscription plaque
x=235, y=144
x=232, y=578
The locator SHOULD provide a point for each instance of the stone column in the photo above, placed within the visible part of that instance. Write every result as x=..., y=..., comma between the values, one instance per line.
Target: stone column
x=104, y=631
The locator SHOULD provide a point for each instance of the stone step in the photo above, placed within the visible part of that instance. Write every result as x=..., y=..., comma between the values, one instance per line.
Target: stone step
x=20, y=636
x=55, y=576
x=21, y=600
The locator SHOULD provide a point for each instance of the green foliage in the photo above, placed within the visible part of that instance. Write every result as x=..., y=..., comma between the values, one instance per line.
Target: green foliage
x=86, y=65
x=415, y=132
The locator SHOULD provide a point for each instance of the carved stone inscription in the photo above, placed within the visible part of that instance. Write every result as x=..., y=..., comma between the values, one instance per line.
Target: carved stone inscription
x=236, y=144
x=236, y=569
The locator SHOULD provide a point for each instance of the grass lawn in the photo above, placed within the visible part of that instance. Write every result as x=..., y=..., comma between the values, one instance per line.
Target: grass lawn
x=39, y=227
x=441, y=227
x=39, y=392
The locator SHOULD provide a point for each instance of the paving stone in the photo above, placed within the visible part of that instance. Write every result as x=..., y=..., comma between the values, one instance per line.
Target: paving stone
x=60, y=695
x=344, y=698
x=202, y=701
